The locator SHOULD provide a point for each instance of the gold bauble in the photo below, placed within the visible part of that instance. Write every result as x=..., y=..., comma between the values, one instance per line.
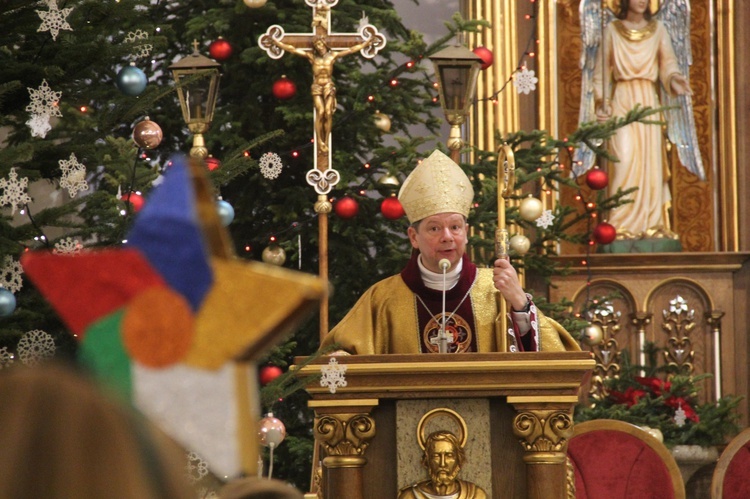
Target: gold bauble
x=274, y=254
x=147, y=134
x=388, y=183
x=531, y=209
x=519, y=244
x=382, y=121
x=593, y=335
x=255, y=4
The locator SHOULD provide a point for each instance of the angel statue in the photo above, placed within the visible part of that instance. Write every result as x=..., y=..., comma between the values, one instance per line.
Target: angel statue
x=637, y=52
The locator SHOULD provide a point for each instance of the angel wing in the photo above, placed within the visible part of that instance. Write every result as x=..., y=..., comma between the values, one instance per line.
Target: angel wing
x=593, y=18
x=675, y=15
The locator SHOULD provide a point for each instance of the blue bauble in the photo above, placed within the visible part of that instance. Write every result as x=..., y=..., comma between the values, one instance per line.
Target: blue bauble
x=7, y=302
x=226, y=212
x=131, y=81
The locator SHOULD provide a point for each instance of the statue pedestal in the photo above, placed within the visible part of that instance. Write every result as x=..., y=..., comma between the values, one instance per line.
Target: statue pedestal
x=690, y=458
x=646, y=245
x=515, y=398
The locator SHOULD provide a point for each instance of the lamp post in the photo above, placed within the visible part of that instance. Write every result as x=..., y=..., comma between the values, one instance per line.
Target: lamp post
x=457, y=69
x=197, y=79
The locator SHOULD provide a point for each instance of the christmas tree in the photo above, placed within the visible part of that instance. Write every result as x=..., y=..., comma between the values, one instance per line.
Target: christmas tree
x=86, y=87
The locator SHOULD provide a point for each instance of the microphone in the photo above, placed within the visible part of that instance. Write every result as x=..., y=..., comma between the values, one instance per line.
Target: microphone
x=444, y=264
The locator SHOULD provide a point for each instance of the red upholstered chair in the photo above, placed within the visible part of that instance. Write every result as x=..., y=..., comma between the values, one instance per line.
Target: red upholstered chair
x=731, y=478
x=617, y=460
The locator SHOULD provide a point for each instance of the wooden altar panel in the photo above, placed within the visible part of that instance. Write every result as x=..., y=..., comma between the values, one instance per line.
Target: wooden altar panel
x=647, y=283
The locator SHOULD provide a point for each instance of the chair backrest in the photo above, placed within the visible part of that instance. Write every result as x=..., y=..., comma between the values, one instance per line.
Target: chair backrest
x=731, y=478
x=617, y=460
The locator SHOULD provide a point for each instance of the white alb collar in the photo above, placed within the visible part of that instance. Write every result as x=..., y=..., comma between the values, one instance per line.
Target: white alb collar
x=434, y=280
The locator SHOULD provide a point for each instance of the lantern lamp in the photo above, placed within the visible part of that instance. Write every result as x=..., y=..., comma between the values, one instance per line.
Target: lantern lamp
x=457, y=69
x=197, y=79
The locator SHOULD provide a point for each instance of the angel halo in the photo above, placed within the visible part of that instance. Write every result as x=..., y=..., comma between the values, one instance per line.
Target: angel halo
x=649, y=67
x=616, y=6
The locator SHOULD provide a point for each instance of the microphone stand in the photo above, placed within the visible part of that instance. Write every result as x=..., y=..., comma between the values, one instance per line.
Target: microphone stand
x=442, y=337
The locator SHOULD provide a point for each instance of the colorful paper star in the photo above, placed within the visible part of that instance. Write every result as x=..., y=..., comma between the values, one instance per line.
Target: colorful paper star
x=165, y=317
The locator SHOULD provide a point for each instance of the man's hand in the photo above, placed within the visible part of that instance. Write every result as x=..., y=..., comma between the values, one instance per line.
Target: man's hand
x=507, y=282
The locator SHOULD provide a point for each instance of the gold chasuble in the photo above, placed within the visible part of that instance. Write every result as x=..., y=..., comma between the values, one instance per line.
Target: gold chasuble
x=386, y=319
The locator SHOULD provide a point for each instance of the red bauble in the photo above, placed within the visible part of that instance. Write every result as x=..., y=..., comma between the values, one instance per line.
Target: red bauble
x=136, y=201
x=346, y=207
x=604, y=233
x=212, y=163
x=391, y=208
x=269, y=373
x=597, y=179
x=486, y=55
x=284, y=88
x=220, y=49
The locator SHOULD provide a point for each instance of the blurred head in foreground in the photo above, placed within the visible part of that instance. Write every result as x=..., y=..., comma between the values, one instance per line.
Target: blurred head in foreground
x=64, y=438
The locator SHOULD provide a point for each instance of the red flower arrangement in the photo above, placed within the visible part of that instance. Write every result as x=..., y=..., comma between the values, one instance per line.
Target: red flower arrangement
x=664, y=400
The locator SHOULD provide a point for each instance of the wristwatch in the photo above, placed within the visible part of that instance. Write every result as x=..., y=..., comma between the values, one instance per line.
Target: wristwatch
x=526, y=309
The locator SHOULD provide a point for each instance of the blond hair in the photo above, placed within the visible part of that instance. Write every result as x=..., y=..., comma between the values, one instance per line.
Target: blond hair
x=61, y=437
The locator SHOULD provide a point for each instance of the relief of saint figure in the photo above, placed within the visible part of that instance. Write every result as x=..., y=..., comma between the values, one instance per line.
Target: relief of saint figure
x=443, y=457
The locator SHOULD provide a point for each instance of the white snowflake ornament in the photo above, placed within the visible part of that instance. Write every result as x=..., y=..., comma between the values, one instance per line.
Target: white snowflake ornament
x=546, y=219
x=10, y=275
x=73, y=176
x=54, y=19
x=525, y=81
x=35, y=346
x=680, y=416
x=39, y=124
x=196, y=467
x=6, y=358
x=142, y=50
x=14, y=191
x=270, y=165
x=333, y=375
x=68, y=246
x=44, y=104
x=44, y=100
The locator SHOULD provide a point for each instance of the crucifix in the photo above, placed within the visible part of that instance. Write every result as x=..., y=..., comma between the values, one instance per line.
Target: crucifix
x=322, y=48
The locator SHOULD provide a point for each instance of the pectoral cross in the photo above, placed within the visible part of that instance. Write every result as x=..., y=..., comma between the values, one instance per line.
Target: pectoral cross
x=442, y=339
x=322, y=48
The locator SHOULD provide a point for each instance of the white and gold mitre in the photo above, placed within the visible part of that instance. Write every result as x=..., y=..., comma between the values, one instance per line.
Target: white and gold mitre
x=437, y=185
